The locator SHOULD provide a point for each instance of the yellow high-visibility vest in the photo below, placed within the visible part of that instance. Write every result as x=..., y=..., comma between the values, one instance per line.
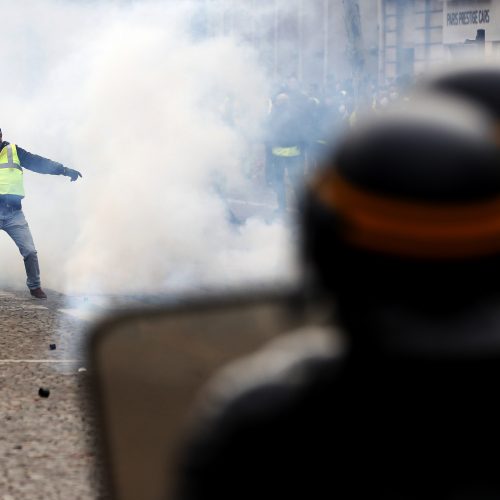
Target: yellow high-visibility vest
x=287, y=152
x=11, y=172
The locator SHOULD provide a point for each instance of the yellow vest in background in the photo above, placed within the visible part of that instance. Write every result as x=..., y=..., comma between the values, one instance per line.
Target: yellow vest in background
x=11, y=173
x=287, y=152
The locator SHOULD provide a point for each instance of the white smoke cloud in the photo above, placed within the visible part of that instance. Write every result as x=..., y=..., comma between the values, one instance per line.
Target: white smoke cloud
x=124, y=93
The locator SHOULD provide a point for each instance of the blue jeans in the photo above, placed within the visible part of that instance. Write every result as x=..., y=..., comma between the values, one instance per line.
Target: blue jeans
x=276, y=169
x=14, y=224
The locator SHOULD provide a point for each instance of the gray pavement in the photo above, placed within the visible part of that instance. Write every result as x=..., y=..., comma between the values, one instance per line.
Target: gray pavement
x=46, y=444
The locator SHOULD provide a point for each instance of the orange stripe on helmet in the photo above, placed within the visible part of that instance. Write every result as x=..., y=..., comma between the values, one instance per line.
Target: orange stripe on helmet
x=411, y=228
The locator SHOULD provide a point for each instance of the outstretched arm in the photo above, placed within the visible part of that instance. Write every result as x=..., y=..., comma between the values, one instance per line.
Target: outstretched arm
x=43, y=165
x=38, y=163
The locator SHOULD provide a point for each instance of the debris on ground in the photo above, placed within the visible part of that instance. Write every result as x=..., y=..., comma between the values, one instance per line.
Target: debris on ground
x=43, y=393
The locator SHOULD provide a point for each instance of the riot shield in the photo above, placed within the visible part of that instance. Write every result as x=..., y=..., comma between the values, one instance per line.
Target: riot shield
x=148, y=367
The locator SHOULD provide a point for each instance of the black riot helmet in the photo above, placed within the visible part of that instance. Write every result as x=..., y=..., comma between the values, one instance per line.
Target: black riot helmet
x=479, y=84
x=405, y=215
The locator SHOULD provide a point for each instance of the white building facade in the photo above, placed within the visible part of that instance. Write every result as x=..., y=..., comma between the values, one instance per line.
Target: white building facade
x=417, y=34
x=309, y=39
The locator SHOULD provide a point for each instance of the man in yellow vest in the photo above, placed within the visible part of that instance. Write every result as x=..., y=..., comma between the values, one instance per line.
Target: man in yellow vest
x=285, y=148
x=12, y=161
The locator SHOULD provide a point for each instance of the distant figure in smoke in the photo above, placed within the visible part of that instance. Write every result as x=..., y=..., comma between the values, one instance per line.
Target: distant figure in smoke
x=326, y=125
x=12, y=161
x=285, y=148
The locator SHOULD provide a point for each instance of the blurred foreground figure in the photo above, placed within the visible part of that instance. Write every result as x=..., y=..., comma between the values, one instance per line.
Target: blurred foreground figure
x=12, y=161
x=402, y=236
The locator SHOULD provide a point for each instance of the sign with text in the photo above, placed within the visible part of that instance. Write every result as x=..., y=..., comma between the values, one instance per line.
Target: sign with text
x=463, y=18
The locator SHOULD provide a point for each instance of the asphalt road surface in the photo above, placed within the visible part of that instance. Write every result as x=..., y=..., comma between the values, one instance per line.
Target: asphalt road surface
x=46, y=444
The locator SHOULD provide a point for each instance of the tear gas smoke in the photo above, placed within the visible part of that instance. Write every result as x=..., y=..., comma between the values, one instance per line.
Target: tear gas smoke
x=126, y=94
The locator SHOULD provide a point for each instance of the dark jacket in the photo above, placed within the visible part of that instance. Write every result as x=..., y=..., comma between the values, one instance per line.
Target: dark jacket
x=32, y=162
x=385, y=426
x=285, y=128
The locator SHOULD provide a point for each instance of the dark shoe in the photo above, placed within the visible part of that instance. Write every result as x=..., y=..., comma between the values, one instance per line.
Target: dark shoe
x=38, y=293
